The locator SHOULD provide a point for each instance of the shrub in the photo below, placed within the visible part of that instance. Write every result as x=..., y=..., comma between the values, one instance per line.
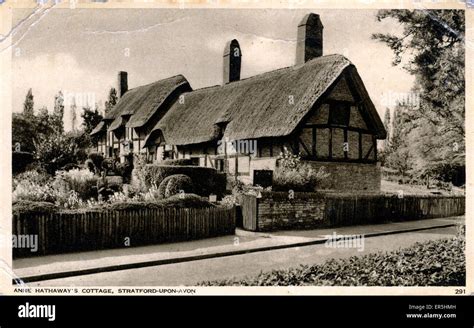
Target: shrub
x=39, y=177
x=89, y=164
x=124, y=170
x=70, y=166
x=205, y=180
x=178, y=162
x=138, y=180
x=83, y=182
x=178, y=182
x=57, y=150
x=20, y=160
x=176, y=201
x=108, y=164
x=301, y=178
x=186, y=201
x=228, y=201
x=433, y=263
x=33, y=207
x=288, y=160
x=96, y=159
x=30, y=191
x=162, y=187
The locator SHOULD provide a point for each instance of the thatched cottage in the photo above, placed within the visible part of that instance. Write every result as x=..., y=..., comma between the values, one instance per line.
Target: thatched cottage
x=319, y=107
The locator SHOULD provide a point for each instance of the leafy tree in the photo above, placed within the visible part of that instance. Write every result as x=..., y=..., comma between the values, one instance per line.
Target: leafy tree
x=44, y=122
x=113, y=99
x=90, y=118
x=58, y=112
x=28, y=105
x=73, y=108
x=23, y=133
x=430, y=46
x=388, y=127
x=55, y=151
x=398, y=155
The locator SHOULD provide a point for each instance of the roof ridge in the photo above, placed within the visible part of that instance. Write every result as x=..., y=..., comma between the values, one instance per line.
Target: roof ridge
x=157, y=81
x=321, y=59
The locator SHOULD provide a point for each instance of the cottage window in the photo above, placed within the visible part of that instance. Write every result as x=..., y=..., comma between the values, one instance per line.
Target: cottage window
x=219, y=164
x=339, y=114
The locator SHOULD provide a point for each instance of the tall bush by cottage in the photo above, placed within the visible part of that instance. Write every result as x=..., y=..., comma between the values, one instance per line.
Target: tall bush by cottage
x=293, y=174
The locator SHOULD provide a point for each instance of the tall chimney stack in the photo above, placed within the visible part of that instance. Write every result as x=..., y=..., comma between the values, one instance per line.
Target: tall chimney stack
x=310, y=39
x=122, y=83
x=232, y=61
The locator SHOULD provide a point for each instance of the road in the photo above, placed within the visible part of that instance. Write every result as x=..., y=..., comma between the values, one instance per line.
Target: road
x=190, y=273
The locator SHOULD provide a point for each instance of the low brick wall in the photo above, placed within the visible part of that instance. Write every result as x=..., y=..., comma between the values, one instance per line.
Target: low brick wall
x=351, y=176
x=279, y=211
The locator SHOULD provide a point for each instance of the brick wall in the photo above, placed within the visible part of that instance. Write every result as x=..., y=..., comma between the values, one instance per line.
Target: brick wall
x=277, y=210
x=351, y=176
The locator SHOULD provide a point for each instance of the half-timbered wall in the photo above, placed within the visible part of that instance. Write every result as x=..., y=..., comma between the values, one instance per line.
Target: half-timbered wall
x=336, y=130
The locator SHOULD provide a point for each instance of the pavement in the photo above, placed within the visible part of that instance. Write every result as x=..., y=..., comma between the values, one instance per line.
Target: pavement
x=57, y=268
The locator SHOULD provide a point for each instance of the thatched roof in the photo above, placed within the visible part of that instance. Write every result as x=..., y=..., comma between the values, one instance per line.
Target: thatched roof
x=118, y=122
x=259, y=106
x=142, y=102
x=99, y=128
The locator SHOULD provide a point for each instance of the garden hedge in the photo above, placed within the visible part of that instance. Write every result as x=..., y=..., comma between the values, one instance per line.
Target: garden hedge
x=205, y=180
x=433, y=263
x=20, y=160
x=177, y=183
x=179, y=162
x=31, y=207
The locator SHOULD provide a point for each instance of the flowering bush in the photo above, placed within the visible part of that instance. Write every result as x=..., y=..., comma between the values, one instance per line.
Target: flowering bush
x=289, y=161
x=81, y=181
x=228, y=201
x=292, y=174
x=302, y=178
x=32, y=191
x=38, y=177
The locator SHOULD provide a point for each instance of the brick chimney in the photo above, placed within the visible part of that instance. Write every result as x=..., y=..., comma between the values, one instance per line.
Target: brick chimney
x=309, y=42
x=122, y=83
x=232, y=61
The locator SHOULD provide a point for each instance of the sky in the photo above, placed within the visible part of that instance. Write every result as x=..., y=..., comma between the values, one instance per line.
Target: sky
x=80, y=51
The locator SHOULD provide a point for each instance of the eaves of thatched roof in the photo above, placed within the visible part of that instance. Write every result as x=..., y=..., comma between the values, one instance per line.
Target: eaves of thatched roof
x=142, y=102
x=117, y=123
x=267, y=105
x=99, y=128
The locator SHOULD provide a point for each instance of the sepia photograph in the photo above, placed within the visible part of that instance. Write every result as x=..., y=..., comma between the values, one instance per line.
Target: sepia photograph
x=191, y=148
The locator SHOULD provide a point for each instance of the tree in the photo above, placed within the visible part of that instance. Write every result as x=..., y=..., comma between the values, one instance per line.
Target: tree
x=73, y=108
x=113, y=99
x=55, y=151
x=90, y=118
x=44, y=123
x=430, y=46
x=388, y=128
x=398, y=155
x=58, y=112
x=28, y=105
x=23, y=133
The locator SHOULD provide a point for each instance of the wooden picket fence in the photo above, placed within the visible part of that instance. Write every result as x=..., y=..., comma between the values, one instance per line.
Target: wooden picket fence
x=352, y=210
x=93, y=230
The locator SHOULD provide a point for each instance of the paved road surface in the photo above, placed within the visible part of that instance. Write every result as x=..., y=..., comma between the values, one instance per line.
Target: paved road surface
x=190, y=273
